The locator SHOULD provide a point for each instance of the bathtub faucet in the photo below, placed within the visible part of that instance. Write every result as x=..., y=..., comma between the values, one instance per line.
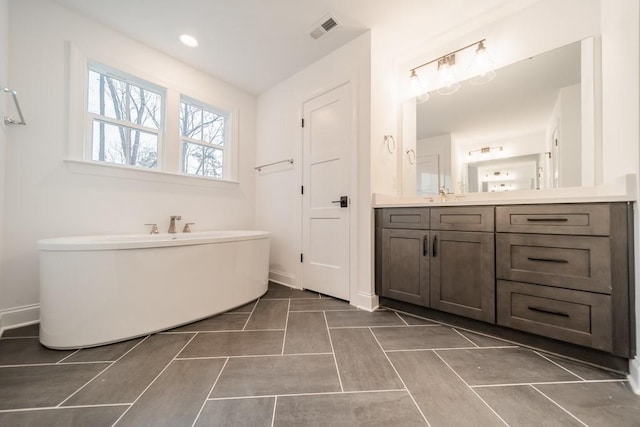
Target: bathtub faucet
x=172, y=223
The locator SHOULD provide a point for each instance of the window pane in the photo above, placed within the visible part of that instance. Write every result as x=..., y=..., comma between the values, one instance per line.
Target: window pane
x=94, y=99
x=124, y=146
x=213, y=128
x=145, y=107
x=144, y=149
x=190, y=121
x=107, y=96
x=201, y=160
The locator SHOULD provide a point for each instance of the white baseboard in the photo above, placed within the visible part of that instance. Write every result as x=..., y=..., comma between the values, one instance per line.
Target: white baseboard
x=634, y=374
x=19, y=316
x=366, y=301
x=283, y=278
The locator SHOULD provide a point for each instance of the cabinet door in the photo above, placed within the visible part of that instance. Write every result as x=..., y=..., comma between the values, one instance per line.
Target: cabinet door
x=405, y=265
x=463, y=274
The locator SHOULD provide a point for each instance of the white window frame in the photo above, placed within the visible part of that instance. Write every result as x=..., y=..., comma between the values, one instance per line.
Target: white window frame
x=226, y=148
x=169, y=171
x=91, y=117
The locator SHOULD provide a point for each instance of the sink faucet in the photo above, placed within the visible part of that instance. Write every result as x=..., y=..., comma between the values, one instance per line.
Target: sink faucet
x=443, y=194
x=172, y=223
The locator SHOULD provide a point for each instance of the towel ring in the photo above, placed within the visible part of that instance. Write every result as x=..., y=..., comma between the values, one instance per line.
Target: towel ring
x=411, y=156
x=391, y=143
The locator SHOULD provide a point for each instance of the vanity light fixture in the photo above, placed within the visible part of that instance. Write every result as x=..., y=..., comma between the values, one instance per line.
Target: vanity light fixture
x=486, y=150
x=448, y=83
x=188, y=40
x=417, y=88
x=481, y=71
x=482, y=67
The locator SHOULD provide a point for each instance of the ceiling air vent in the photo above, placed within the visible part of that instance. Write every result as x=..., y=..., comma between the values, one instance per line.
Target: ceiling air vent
x=327, y=23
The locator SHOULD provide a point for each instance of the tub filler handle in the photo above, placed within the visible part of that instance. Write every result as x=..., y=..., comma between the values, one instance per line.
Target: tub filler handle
x=154, y=228
x=186, y=228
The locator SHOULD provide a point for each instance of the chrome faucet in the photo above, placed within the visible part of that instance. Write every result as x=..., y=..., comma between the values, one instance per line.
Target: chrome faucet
x=172, y=223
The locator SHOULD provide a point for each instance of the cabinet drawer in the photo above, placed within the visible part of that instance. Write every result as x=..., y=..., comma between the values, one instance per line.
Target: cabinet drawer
x=585, y=219
x=573, y=262
x=463, y=218
x=411, y=218
x=579, y=317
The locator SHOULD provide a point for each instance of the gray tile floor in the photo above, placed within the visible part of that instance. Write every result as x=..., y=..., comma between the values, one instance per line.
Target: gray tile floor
x=295, y=358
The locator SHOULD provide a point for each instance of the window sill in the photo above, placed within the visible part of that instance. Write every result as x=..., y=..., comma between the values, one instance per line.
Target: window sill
x=124, y=172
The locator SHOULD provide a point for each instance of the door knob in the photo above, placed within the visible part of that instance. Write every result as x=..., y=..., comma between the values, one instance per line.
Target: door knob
x=344, y=201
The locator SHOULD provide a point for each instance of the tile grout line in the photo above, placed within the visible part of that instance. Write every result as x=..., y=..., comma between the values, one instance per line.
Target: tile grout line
x=239, y=331
x=400, y=377
x=154, y=380
x=401, y=318
x=415, y=316
x=471, y=388
x=549, y=383
x=320, y=393
x=333, y=351
x=558, y=405
x=317, y=310
x=210, y=391
x=56, y=408
x=440, y=323
x=446, y=349
x=383, y=326
x=465, y=337
x=244, y=356
x=273, y=415
x=101, y=372
x=286, y=325
x=68, y=356
x=251, y=314
x=28, y=365
x=558, y=365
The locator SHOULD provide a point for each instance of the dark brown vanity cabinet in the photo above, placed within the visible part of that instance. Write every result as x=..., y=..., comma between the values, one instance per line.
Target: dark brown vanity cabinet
x=405, y=254
x=405, y=265
x=563, y=272
x=462, y=261
x=441, y=258
x=560, y=271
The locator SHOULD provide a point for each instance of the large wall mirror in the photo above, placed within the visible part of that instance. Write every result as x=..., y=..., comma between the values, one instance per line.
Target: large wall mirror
x=529, y=128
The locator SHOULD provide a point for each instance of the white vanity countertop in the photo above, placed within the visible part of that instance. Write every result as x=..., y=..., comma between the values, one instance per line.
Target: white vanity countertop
x=621, y=190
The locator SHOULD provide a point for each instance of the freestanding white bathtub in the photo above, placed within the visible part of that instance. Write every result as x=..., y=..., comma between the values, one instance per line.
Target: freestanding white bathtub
x=101, y=289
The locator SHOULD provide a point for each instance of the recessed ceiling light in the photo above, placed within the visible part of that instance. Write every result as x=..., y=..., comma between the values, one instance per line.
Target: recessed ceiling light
x=188, y=40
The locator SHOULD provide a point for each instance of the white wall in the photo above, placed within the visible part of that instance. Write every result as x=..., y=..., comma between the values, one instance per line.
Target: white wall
x=621, y=113
x=44, y=198
x=278, y=200
x=570, y=137
x=4, y=65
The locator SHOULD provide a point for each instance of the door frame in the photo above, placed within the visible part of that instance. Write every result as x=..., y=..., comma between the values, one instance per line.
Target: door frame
x=354, y=197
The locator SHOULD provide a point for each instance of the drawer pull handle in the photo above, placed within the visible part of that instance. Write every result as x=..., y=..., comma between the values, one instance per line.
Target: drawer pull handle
x=544, y=310
x=559, y=261
x=425, y=246
x=547, y=219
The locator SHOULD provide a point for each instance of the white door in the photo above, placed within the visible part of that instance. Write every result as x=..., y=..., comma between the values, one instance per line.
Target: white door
x=428, y=174
x=327, y=143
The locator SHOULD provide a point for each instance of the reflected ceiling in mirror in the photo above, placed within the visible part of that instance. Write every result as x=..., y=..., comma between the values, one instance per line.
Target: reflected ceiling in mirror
x=529, y=105
x=520, y=98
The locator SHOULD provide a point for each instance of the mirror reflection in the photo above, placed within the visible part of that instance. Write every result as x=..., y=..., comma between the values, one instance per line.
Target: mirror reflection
x=520, y=131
